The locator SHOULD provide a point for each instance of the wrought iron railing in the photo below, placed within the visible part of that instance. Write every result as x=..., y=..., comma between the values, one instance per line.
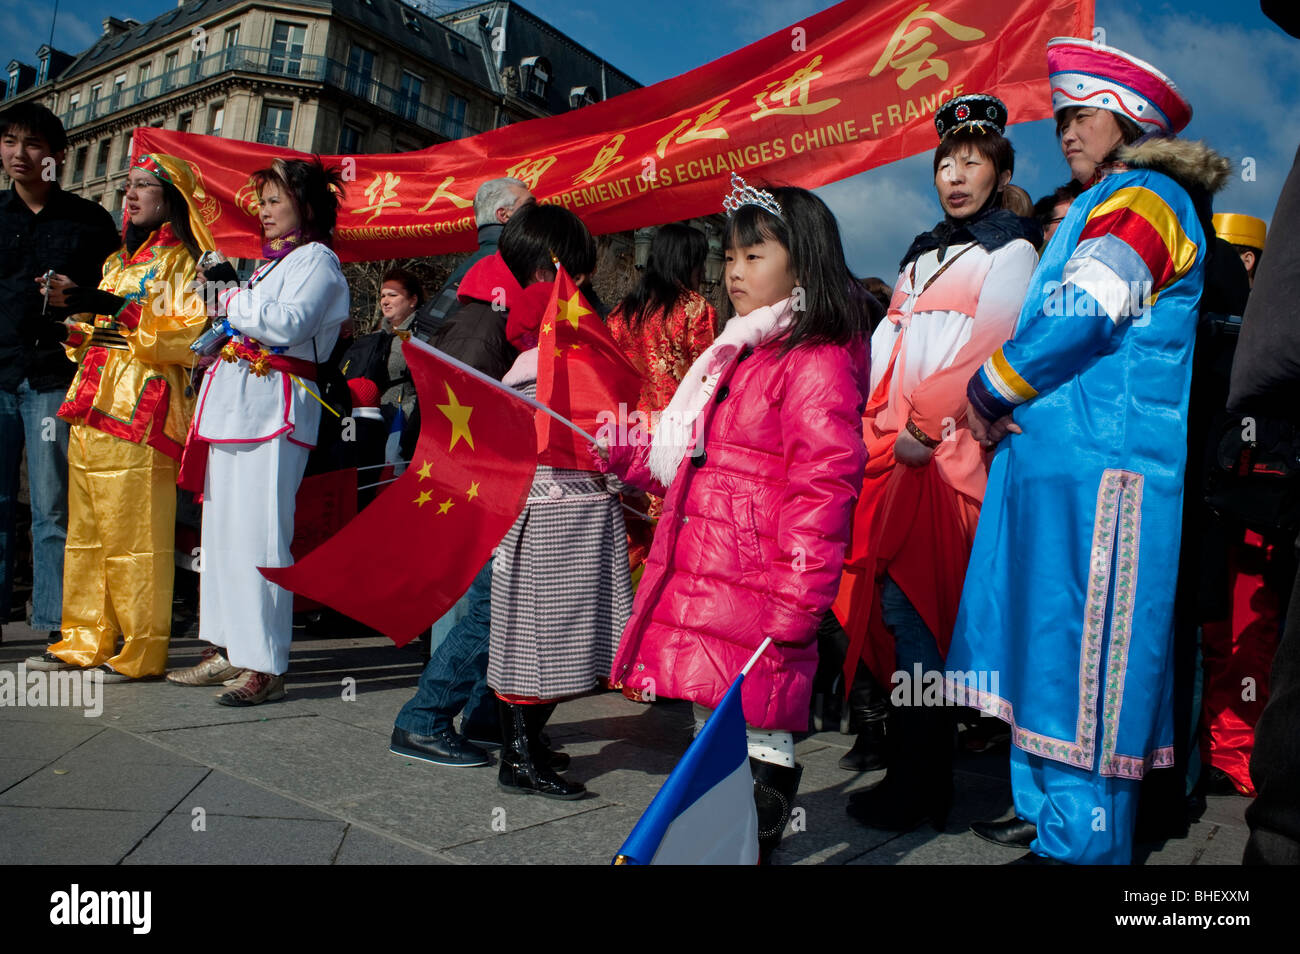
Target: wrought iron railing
x=250, y=59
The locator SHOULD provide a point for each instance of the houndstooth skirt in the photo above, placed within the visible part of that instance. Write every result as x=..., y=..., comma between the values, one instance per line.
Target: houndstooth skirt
x=561, y=591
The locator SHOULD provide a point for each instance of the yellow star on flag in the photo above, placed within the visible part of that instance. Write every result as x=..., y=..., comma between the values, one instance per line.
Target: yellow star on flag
x=559, y=353
x=572, y=310
x=458, y=414
x=546, y=328
x=423, y=499
x=574, y=347
x=424, y=470
x=473, y=490
x=445, y=505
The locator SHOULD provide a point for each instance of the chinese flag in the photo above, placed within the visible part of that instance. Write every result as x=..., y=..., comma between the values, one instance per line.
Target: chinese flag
x=581, y=373
x=403, y=562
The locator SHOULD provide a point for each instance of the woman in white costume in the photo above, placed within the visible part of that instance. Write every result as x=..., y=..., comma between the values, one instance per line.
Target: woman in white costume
x=258, y=412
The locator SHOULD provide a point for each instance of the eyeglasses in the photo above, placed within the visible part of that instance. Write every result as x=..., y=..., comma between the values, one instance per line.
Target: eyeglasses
x=129, y=185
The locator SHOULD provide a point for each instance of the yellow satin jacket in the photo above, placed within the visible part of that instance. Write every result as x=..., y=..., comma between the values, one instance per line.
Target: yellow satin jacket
x=134, y=367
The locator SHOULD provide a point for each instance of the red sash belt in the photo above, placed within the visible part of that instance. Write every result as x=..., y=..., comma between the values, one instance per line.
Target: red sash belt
x=266, y=361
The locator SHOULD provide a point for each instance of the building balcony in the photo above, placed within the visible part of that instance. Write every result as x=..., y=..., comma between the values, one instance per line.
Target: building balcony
x=249, y=59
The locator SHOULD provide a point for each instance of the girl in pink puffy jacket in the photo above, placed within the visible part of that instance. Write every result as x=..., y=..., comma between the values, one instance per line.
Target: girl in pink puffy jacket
x=759, y=458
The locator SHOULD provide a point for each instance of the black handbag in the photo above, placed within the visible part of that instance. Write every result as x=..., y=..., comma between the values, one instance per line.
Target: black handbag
x=335, y=395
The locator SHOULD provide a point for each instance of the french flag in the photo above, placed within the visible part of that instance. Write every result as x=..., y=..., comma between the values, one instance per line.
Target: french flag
x=704, y=814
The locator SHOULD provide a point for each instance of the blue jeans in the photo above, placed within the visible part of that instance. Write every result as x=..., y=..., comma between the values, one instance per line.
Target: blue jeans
x=455, y=677
x=913, y=642
x=31, y=417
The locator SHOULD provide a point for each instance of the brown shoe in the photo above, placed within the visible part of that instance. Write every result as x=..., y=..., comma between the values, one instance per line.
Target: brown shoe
x=253, y=688
x=213, y=670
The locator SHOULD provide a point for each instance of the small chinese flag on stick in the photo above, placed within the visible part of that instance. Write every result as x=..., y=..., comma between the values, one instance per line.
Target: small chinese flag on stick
x=581, y=373
x=402, y=563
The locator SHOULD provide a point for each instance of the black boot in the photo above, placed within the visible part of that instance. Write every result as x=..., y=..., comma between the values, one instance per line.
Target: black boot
x=539, y=716
x=919, y=784
x=524, y=767
x=775, y=787
x=868, y=752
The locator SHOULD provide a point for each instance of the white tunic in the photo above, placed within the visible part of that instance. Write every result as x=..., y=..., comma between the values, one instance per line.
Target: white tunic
x=300, y=300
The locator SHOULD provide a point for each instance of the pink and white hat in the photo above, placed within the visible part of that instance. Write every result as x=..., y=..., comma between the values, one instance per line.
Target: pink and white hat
x=1084, y=73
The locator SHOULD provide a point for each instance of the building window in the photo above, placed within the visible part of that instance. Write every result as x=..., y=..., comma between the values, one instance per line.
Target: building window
x=95, y=92
x=349, y=139
x=12, y=90
x=581, y=96
x=142, y=77
x=101, y=159
x=408, y=98
x=361, y=65
x=535, y=74
x=169, y=71
x=453, y=121
x=74, y=100
x=79, y=164
x=412, y=21
x=184, y=121
x=216, y=117
x=229, y=40
x=456, y=43
x=287, y=43
x=125, y=159
x=119, y=84
x=274, y=128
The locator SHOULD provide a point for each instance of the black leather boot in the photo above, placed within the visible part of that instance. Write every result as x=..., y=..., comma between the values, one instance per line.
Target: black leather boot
x=775, y=787
x=869, y=748
x=538, y=717
x=918, y=786
x=524, y=767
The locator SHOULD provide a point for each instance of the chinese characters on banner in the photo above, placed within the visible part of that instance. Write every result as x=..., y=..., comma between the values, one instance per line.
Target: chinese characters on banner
x=843, y=91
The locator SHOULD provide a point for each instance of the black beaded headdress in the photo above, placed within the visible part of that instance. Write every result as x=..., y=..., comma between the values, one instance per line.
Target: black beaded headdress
x=977, y=111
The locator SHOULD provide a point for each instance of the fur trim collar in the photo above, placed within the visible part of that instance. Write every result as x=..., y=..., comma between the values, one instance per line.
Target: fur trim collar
x=1190, y=162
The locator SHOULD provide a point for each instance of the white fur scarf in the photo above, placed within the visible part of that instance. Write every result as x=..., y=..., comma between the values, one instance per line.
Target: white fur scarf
x=675, y=433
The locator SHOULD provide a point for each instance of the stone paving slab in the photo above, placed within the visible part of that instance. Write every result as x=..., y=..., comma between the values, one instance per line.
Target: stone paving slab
x=93, y=785
x=71, y=836
x=233, y=840
x=362, y=847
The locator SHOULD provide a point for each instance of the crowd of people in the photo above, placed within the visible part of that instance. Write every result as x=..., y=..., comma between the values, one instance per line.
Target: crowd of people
x=1018, y=473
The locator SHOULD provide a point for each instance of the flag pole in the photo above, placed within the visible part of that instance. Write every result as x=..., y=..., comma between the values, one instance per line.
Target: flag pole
x=754, y=658
x=486, y=379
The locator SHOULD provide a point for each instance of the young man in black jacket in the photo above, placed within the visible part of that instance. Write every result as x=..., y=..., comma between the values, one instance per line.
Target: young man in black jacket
x=42, y=229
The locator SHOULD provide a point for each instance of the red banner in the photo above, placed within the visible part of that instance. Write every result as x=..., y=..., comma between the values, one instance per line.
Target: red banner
x=843, y=91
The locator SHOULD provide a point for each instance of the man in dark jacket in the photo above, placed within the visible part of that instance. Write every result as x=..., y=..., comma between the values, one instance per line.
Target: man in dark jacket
x=494, y=203
x=455, y=677
x=1266, y=377
x=42, y=228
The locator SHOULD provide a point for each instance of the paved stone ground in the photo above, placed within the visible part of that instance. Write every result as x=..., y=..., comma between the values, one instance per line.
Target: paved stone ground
x=310, y=781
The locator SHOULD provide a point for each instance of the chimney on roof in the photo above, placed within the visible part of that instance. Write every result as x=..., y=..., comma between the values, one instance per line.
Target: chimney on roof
x=113, y=26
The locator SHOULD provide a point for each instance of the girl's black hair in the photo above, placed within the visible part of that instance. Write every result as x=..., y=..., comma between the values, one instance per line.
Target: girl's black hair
x=836, y=308
x=677, y=255
x=535, y=232
x=314, y=191
x=408, y=282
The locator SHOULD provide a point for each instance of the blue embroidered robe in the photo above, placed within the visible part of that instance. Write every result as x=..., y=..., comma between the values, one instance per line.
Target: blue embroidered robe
x=1070, y=594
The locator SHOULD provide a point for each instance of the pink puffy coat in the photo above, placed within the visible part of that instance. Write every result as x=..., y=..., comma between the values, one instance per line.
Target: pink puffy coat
x=752, y=539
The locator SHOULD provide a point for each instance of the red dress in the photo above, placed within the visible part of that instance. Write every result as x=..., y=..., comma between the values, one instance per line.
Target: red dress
x=663, y=346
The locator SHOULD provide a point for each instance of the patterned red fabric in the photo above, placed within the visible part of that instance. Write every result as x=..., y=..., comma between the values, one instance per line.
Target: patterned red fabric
x=662, y=346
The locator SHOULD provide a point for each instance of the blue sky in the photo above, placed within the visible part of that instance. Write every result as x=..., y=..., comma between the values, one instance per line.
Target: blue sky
x=1240, y=72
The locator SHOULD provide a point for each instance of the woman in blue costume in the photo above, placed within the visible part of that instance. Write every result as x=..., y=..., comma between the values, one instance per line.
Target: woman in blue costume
x=1079, y=535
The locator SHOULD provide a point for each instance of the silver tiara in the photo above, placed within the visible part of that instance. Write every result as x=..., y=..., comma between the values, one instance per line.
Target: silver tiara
x=742, y=194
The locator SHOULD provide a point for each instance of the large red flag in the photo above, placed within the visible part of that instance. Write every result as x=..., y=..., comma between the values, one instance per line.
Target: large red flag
x=839, y=92
x=581, y=374
x=403, y=562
